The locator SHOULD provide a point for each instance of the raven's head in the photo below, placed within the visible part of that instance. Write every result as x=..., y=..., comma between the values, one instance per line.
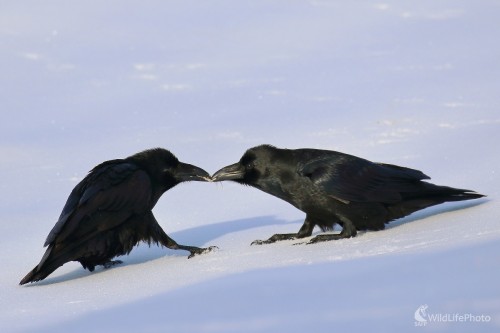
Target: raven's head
x=256, y=167
x=166, y=169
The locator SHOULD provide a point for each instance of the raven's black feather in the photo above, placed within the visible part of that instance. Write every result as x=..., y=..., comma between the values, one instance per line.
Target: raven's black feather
x=337, y=188
x=110, y=211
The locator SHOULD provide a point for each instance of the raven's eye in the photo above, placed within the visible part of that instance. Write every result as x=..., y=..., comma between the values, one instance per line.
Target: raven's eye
x=249, y=166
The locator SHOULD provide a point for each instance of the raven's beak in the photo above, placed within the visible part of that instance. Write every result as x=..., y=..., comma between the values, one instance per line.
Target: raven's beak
x=231, y=172
x=186, y=172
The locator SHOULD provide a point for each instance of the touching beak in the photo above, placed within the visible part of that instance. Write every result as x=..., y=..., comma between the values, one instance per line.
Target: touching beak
x=231, y=172
x=186, y=172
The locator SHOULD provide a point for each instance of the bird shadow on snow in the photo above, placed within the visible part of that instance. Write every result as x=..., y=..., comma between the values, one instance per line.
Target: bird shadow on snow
x=197, y=236
x=201, y=235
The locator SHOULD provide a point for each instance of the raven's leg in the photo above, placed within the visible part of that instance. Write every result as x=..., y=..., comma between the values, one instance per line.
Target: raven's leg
x=196, y=250
x=166, y=241
x=348, y=231
x=158, y=235
x=171, y=244
x=305, y=231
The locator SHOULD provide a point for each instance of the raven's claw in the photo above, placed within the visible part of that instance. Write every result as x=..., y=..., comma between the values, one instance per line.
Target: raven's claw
x=202, y=251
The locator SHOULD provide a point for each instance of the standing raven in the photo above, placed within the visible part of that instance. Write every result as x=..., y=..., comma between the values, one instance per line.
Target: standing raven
x=110, y=211
x=336, y=188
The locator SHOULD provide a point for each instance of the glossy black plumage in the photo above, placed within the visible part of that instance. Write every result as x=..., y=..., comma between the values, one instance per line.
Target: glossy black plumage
x=110, y=211
x=336, y=188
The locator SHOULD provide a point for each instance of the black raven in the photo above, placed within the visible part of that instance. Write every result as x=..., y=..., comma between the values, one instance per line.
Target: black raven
x=336, y=188
x=109, y=212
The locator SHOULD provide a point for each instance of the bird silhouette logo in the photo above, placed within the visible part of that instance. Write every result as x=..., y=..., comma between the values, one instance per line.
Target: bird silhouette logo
x=421, y=314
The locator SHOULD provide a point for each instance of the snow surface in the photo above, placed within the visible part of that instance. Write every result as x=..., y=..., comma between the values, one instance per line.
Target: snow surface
x=410, y=83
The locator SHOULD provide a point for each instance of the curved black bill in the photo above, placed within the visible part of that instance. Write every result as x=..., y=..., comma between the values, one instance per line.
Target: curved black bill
x=187, y=172
x=230, y=172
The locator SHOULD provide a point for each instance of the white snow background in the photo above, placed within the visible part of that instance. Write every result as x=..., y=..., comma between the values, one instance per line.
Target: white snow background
x=413, y=83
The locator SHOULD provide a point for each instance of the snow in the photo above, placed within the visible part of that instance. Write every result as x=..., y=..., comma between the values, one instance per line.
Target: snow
x=409, y=83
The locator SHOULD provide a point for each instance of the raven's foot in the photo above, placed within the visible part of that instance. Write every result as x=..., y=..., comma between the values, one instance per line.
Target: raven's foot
x=348, y=231
x=329, y=237
x=199, y=250
x=275, y=238
x=112, y=263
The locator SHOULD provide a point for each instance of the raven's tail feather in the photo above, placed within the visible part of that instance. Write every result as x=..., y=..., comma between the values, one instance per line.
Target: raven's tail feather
x=39, y=273
x=48, y=264
x=429, y=195
x=33, y=276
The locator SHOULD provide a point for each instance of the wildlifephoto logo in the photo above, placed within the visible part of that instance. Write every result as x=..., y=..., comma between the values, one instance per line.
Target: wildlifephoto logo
x=423, y=317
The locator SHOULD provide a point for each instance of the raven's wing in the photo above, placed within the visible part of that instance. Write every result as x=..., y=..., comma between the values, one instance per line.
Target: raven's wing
x=349, y=178
x=105, y=198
